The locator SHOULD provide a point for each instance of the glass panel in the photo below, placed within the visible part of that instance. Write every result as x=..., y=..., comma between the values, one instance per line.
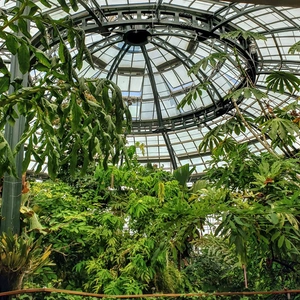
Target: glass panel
x=172, y=50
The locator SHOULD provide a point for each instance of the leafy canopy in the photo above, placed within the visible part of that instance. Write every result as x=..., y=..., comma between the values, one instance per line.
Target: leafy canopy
x=61, y=110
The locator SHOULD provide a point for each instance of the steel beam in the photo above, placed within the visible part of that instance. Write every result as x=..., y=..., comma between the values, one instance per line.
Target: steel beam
x=161, y=128
x=291, y=3
x=117, y=61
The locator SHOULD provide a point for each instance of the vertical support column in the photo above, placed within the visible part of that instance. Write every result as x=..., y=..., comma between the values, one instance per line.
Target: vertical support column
x=12, y=186
x=158, y=109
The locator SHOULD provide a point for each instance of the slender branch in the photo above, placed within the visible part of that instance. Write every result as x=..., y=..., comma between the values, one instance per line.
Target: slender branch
x=263, y=109
x=19, y=95
x=16, y=17
x=245, y=276
x=249, y=81
x=265, y=144
x=284, y=264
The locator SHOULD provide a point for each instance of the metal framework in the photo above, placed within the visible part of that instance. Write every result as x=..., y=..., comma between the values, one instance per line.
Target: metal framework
x=147, y=48
x=290, y=3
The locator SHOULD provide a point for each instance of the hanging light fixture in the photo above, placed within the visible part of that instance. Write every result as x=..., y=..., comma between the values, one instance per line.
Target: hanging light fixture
x=137, y=36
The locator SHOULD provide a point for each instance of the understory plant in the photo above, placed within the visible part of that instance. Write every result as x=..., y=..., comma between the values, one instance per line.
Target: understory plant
x=20, y=256
x=140, y=230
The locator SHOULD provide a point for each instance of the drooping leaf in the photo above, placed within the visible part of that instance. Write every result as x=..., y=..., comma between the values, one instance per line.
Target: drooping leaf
x=4, y=83
x=211, y=60
x=235, y=34
x=13, y=27
x=76, y=113
x=24, y=58
x=88, y=55
x=62, y=51
x=74, y=5
x=12, y=43
x=23, y=27
x=64, y=5
x=42, y=58
x=280, y=241
x=27, y=157
x=33, y=9
x=281, y=81
x=295, y=48
x=3, y=67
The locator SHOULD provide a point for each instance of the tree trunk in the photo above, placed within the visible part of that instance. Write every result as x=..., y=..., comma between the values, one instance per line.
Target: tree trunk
x=9, y=282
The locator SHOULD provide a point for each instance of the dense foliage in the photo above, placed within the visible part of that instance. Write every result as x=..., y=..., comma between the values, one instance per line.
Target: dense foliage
x=63, y=111
x=136, y=229
x=64, y=120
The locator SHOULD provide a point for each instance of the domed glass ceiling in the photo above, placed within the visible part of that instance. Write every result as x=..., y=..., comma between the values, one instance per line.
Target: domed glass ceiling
x=147, y=48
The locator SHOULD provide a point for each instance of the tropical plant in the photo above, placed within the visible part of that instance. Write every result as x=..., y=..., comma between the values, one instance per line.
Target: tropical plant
x=117, y=237
x=84, y=109
x=20, y=256
x=138, y=230
x=260, y=211
x=214, y=267
x=275, y=127
x=70, y=122
x=135, y=229
x=183, y=174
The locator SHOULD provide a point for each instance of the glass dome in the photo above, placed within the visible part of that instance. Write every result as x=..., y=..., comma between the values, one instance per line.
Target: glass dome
x=147, y=48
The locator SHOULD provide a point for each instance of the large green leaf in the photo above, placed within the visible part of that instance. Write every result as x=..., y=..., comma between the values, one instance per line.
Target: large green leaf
x=24, y=57
x=183, y=173
x=295, y=48
x=63, y=52
x=76, y=113
x=42, y=58
x=27, y=157
x=282, y=82
x=64, y=5
x=4, y=83
x=12, y=43
x=74, y=5
x=3, y=67
x=24, y=27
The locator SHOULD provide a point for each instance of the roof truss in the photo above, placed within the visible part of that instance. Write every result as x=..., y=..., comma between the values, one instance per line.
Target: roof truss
x=291, y=3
